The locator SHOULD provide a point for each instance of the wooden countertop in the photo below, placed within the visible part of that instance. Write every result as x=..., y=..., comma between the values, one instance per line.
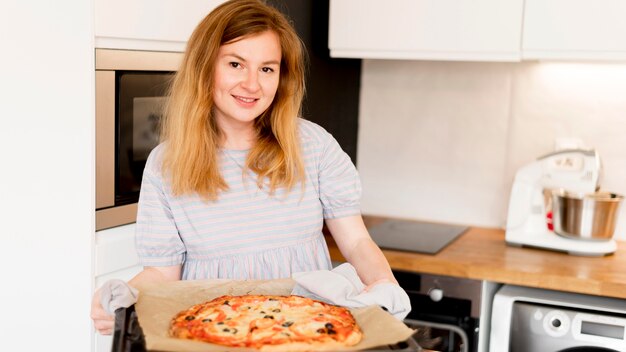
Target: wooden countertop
x=481, y=254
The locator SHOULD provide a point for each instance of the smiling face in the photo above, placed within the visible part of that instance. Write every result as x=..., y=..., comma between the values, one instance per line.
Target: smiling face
x=247, y=73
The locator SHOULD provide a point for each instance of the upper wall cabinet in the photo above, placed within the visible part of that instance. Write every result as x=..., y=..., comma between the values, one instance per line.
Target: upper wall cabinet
x=575, y=29
x=474, y=30
x=161, y=25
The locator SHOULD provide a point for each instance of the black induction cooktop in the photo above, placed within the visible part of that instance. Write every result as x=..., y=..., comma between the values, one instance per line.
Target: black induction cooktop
x=415, y=236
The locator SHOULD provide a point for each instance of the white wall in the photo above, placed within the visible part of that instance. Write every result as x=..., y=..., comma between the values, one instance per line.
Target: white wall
x=441, y=141
x=46, y=177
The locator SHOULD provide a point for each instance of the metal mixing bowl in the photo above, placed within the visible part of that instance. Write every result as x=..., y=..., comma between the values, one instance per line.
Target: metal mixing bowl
x=587, y=217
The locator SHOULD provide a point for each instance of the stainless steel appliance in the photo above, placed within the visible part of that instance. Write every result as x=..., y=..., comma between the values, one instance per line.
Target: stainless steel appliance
x=528, y=319
x=585, y=216
x=130, y=93
x=574, y=170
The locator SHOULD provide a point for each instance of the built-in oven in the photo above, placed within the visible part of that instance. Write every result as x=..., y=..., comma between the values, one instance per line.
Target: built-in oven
x=445, y=311
x=131, y=90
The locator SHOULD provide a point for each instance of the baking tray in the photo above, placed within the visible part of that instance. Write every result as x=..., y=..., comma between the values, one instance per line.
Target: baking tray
x=128, y=335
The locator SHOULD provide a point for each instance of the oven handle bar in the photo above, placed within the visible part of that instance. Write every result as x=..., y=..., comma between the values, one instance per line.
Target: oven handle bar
x=453, y=328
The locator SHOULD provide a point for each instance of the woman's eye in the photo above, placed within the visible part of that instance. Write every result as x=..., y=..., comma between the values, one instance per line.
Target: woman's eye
x=267, y=69
x=234, y=64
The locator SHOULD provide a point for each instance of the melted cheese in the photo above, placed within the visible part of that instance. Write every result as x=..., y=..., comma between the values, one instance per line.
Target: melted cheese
x=269, y=319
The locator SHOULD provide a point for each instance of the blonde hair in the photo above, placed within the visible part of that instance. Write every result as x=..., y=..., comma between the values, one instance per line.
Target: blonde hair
x=190, y=131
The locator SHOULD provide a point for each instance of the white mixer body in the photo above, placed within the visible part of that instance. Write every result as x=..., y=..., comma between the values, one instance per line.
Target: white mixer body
x=574, y=170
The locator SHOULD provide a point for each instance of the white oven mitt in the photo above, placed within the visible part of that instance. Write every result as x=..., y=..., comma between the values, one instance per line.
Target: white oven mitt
x=342, y=286
x=116, y=294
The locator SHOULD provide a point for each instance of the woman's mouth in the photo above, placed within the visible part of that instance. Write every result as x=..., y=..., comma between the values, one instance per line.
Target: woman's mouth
x=244, y=100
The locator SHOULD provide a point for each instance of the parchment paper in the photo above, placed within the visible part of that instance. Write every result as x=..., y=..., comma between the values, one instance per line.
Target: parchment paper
x=157, y=305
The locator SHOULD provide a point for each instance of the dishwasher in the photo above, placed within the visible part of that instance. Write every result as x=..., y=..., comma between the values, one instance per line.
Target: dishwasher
x=528, y=319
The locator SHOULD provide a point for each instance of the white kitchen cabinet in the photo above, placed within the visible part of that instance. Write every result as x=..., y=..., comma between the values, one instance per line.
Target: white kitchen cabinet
x=574, y=29
x=161, y=25
x=472, y=30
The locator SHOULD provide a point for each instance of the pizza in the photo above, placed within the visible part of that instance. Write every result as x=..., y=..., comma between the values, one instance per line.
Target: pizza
x=287, y=323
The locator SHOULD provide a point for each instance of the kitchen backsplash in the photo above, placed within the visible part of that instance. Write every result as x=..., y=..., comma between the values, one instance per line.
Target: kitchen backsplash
x=441, y=141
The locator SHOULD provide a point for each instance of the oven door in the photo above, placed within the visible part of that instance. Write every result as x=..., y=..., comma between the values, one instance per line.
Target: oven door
x=434, y=336
x=445, y=311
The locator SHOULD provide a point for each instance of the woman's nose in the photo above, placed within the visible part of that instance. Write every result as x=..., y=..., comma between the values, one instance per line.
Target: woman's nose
x=251, y=81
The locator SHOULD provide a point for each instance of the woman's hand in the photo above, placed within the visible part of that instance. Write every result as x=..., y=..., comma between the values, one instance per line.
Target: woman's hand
x=102, y=321
x=105, y=322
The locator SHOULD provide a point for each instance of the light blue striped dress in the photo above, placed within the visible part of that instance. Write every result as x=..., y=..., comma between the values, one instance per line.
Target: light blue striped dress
x=247, y=234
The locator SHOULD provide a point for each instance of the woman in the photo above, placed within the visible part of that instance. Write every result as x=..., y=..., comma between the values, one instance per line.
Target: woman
x=240, y=186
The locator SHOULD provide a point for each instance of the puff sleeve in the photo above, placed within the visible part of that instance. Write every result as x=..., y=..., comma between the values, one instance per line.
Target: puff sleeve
x=157, y=238
x=339, y=182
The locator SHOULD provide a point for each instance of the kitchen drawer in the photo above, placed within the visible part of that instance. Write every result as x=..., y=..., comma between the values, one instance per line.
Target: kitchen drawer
x=115, y=250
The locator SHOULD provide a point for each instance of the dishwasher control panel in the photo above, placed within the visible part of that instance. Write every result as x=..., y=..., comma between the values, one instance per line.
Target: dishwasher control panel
x=556, y=327
x=528, y=319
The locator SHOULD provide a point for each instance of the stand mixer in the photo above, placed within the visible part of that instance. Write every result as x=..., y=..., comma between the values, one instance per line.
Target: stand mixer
x=575, y=170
